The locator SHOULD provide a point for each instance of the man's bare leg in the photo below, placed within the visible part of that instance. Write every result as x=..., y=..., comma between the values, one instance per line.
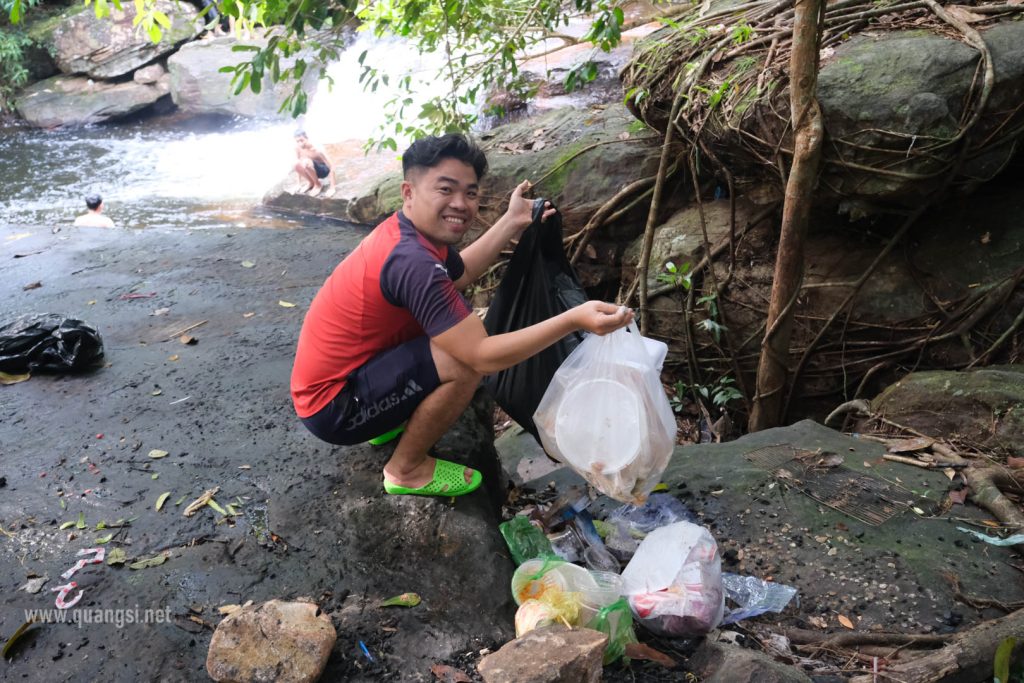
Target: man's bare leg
x=410, y=466
x=305, y=170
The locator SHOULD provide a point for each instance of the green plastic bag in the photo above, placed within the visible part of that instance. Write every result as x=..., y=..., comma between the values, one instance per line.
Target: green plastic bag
x=616, y=622
x=525, y=541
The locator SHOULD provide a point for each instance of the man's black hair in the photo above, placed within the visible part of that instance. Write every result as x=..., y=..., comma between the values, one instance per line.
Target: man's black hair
x=93, y=201
x=430, y=151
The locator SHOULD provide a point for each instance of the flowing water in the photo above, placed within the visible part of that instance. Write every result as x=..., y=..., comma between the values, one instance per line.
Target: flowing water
x=173, y=172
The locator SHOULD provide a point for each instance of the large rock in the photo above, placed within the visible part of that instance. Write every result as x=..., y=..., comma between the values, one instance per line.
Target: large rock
x=114, y=46
x=75, y=101
x=359, y=176
x=890, y=100
x=198, y=86
x=721, y=663
x=286, y=642
x=556, y=151
x=548, y=655
x=984, y=406
x=960, y=253
x=888, y=92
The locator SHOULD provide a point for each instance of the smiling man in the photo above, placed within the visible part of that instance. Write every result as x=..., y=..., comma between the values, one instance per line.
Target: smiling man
x=389, y=339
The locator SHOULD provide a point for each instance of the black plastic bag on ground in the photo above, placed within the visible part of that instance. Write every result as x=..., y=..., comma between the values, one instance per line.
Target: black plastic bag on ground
x=49, y=342
x=539, y=283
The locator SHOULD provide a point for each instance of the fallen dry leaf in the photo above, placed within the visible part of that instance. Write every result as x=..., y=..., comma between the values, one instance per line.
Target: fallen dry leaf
x=991, y=522
x=156, y=453
x=248, y=315
x=33, y=285
x=447, y=674
x=965, y=15
x=845, y=621
x=1014, y=461
x=986, y=238
x=188, y=339
x=817, y=622
x=173, y=358
x=9, y=378
x=642, y=651
x=908, y=445
x=958, y=497
x=248, y=264
x=286, y=304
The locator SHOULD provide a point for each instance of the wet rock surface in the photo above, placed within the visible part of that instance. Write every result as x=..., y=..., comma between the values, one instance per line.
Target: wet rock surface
x=312, y=519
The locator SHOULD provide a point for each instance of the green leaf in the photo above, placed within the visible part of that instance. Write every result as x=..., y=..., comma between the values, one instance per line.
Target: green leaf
x=155, y=34
x=1001, y=667
x=116, y=556
x=80, y=524
x=212, y=503
x=403, y=600
x=101, y=525
x=104, y=539
x=162, y=19
x=15, y=15
x=156, y=453
x=66, y=525
x=9, y=645
x=161, y=500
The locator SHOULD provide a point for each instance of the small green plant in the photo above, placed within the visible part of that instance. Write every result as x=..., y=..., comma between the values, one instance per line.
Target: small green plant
x=711, y=324
x=741, y=33
x=677, y=276
x=720, y=393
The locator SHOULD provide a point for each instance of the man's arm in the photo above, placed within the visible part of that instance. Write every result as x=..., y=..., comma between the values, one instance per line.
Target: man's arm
x=479, y=256
x=469, y=344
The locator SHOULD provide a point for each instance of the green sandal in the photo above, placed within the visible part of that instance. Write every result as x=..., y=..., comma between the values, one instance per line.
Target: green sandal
x=448, y=480
x=387, y=436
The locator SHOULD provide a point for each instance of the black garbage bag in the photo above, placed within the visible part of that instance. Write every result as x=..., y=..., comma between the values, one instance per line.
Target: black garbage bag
x=49, y=342
x=539, y=283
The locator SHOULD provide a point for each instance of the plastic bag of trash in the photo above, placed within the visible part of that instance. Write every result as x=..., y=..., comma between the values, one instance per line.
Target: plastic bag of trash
x=606, y=415
x=674, y=581
x=49, y=342
x=539, y=283
x=525, y=541
x=616, y=622
x=629, y=524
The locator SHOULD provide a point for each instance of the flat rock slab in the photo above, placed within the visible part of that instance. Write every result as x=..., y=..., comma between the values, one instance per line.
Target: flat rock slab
x=890, y=577
x=313, y=520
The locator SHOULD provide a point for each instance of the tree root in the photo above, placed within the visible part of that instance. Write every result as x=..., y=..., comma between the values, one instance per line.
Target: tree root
x=967, y=657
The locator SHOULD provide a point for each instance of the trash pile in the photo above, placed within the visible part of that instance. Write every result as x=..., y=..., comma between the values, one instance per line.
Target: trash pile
x=649, y=565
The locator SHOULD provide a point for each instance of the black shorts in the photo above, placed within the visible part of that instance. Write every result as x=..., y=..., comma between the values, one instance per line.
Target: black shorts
x=379, y=396
x=322, y=169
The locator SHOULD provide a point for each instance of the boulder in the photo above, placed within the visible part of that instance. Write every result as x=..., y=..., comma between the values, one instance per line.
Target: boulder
x=716, y=662
x=982, y=406
x=113, y=46
x=884, y=95
x=912, y=85
x=149, y=74
x=75, y=101
x=274, y=641
x=357, y=197
x=548, y=655
x=556, y=151
x=198, y=86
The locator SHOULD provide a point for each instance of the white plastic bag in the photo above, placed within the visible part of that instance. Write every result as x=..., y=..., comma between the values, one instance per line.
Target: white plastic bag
x=674, y=581
x=606, y=415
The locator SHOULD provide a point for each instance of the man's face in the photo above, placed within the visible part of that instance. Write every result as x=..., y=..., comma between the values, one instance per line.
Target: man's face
x=442, y=201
